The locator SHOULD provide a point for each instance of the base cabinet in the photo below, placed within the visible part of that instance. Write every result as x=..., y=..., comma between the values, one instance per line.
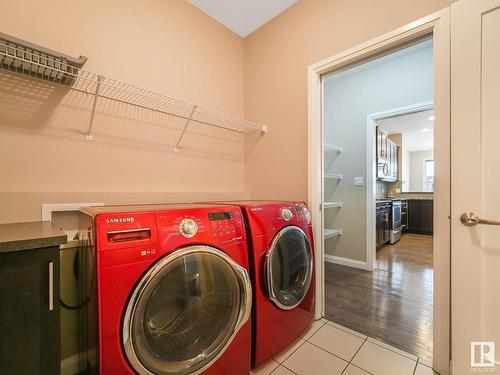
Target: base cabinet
x=29, y=313
x=421, y=216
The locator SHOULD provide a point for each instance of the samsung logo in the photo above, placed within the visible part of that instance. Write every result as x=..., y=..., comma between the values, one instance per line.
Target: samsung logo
x=120, y=220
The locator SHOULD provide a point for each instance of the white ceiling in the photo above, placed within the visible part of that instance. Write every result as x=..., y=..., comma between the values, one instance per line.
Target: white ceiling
x=417, y=130
x=243, y=16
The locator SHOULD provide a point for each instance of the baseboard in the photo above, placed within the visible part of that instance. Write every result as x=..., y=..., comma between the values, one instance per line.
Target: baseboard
x=347, y=262
x=72, y=365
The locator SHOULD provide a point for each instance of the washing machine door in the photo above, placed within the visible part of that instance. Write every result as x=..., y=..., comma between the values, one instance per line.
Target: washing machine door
x=185, y=311
x=289, y=267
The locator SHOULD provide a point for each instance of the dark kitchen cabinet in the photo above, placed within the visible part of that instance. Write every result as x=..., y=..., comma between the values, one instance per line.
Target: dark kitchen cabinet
x=29, y=295
x=404, y=214
x=381, y=144
x=392, y=156
x=386, y=157
x=383, y=228
x=421, y=216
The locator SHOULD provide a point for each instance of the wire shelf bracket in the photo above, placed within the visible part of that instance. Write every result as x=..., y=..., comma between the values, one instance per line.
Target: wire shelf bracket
x=24, y=58
x=178, y=145
x=94, y=104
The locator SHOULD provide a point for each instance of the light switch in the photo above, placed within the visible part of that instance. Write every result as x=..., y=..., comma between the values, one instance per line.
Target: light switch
x=359, y=181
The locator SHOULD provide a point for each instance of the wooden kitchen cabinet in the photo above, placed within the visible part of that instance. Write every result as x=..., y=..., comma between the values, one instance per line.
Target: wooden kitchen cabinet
x=392, y=153
x=421, y=216
x=29, y=294
x=383, y=228
x=381, y=143
x=386, y=157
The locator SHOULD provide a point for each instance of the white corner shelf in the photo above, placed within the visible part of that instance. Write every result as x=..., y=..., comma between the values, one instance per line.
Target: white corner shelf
x=333, y=176
x=332, y=148
x=332, y=205
x=330, y=233
x=26, y=59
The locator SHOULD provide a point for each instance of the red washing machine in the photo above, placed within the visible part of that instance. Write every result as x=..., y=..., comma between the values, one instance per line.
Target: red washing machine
x=174, y=294
x=282, y=259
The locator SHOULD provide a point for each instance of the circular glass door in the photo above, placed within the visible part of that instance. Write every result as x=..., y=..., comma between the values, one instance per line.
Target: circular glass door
x=185, y=311
x=289, y=266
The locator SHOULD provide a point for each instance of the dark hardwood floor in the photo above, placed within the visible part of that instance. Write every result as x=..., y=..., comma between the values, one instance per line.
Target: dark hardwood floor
x=392, y=304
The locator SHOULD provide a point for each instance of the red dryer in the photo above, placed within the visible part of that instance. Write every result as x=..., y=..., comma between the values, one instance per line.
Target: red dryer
x=282, y=259
x=174, y=293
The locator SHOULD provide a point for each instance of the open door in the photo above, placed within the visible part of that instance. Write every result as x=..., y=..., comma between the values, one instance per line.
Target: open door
x=475, y=119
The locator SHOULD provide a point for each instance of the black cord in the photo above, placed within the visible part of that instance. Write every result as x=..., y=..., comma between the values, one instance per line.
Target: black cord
x=86, y=246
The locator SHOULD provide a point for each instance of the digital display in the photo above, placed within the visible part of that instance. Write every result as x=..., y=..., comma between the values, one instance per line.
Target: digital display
x=220, y=215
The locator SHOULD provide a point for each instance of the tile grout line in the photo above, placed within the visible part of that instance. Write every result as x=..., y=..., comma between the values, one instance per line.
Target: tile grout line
x=282, y=363
x=394, y=351
x=376, y=342
x=288, y=356
x=416, y=364
x=357, y=351
x=288, y=369
x=345, y=329
x=326, y=351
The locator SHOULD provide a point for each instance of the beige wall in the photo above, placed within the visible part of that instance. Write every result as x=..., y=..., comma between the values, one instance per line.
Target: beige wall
x=276, y=61
x=168, y=46
x=172, y=47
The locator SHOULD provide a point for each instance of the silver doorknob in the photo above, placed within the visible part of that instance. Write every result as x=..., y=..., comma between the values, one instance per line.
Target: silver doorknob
x=470, y=219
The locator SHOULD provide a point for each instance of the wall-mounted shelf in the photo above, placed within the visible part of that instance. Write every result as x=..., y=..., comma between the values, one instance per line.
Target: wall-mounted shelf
x=27, y=59
x=333, y=176
x=332, y=205
x=330, y=233
x=332, y=148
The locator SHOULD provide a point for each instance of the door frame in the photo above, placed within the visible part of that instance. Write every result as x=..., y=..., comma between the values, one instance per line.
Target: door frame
x=371, y=173
x=438, y=25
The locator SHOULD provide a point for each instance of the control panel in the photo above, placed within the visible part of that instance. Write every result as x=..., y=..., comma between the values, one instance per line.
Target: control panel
x=225, y=225
x=303, y=213
x=296, y=213
x=206, y=224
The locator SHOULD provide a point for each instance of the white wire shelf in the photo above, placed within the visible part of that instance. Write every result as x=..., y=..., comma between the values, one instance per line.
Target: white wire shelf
x=332, y=205
x=33, y=63
x=333, y=176
x=333, y=148
x=330, y=233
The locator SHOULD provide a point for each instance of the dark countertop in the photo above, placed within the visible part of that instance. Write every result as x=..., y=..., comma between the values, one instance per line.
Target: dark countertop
x=33, y=235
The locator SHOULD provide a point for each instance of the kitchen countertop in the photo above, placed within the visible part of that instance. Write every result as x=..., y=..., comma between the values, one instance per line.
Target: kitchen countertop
x=382, y=200
x=32, y=235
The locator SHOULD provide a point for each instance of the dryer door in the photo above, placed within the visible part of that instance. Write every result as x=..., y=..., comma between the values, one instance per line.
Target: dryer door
x=289, y=267
x=185, y=311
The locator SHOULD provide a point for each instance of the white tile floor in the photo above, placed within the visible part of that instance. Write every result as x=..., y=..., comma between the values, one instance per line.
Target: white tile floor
x=330, y=349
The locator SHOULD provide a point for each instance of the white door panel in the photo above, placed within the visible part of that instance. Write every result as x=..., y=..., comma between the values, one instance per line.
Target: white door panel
x=475, y=119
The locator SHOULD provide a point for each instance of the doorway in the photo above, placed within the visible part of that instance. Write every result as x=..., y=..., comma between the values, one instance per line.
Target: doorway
x=378, y=276
x=328, y=173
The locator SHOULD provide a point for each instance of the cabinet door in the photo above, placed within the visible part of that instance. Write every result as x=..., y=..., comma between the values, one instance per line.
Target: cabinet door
x=380, y=224
x=381, y=144
x=29, y=316
x=394, y=160
x=420, y=216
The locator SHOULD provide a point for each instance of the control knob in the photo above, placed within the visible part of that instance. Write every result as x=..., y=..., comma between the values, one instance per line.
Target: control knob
x=188, y=228
x=286, y=214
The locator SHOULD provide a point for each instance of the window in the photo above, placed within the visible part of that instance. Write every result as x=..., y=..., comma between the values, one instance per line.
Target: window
x=428, y=174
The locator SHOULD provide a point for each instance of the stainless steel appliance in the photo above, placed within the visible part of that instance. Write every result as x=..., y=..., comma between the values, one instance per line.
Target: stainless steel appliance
x=396, y=223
